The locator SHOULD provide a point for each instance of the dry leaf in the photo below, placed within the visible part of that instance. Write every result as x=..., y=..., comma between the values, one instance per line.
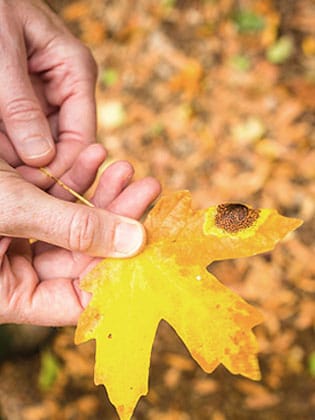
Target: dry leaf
x=188, y=79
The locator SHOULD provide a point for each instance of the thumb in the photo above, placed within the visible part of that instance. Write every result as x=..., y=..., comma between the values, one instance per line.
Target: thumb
x=28, y=212
x=93, y=231
x=21, y=112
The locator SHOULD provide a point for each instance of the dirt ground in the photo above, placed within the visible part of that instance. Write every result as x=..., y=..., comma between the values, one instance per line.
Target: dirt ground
x=218, y=97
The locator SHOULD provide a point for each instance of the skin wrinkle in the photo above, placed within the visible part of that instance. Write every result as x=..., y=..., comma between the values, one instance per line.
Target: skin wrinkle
x=33, y=51
x=25, y=213
x=6, y=287
x=82, y=229
x=75, y=91
x=22, y=109
x=12, y=198
x=17, y=299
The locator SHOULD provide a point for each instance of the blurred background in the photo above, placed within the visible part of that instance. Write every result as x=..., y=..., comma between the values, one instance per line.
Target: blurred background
x=218, y=97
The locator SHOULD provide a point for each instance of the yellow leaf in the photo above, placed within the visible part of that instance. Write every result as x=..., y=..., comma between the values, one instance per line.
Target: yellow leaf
x=169, y=281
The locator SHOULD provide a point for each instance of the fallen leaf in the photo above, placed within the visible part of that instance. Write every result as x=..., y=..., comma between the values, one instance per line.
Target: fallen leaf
x=169, y=281
x=308, y=46
x=248, y=22
x=258, y=397
x=248, y=131
x=93, y=31
x=75, y=11
x=205, y=386
x=281, y=50
x=172, y=378
x=178, y=362
x=111, y=114
x=188, y=79
x=49, y=370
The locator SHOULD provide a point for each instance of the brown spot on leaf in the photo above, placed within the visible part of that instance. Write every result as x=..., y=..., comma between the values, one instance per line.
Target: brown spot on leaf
x=234, y=217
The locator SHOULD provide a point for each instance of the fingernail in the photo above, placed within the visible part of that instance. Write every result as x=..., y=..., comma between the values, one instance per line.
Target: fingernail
x=37, y=147
x=128, y=239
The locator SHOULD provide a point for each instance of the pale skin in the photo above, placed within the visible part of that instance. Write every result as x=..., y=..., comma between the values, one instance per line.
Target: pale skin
x=47, y=118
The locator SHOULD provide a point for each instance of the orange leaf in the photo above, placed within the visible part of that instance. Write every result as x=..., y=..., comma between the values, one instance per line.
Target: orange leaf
x=188, y=79
x=169, y=281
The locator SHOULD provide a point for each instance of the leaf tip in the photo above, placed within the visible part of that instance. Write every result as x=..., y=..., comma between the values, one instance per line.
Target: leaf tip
x=252, y=370
x=124, y=412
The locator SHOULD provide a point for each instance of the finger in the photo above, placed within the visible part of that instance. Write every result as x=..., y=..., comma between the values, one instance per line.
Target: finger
x=70, y=85
x=4, y=245
x=53, y=263
x=71, y=89
x=8, y=152
x=82, y=174
x=69, y=71
x=57, y=302
x=72, y=226
x=110, y=184
x=113, y=180
x=79, y=177
x=24, y=299
x=18, y=281
x=25, y=123
x=66, y=154
x=56, y=263
x=136, y=198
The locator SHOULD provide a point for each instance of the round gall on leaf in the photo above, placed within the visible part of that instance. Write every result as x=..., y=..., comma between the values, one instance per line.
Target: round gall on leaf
x=234, y=217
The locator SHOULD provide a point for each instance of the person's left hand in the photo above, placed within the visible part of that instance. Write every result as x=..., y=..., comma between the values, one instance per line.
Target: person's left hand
x=39, y=283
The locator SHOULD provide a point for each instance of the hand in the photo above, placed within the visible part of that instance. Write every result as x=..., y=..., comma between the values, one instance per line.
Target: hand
x=39, y=284
x=47, y=82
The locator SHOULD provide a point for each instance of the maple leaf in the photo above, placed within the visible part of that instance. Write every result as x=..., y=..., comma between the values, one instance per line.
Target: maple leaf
x=169, y=281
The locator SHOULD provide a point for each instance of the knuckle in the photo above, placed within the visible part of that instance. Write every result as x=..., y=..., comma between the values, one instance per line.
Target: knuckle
x=22, y=109
x=86, y=60
x=82, y=230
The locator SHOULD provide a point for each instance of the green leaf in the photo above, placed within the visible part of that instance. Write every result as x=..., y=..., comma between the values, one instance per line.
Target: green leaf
x=109, y=77
x=248, y=21
x=49, y=369
x=240, y=62
x=311, y=364
x=281, y=50
x=168, y=4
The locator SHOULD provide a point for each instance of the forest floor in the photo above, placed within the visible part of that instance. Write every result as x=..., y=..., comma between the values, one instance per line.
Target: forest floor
x=218, y=97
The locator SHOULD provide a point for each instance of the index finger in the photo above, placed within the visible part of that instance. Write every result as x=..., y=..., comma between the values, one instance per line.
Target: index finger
x=69, y=86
